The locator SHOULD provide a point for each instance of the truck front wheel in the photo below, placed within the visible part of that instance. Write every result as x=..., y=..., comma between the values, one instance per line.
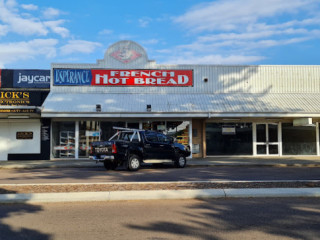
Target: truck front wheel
x=180, y=162
x=133, y=162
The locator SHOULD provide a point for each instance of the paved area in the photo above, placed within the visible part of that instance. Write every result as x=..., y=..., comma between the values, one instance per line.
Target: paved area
x=157, y=174
x=210, y=219
x=309, y=191
x=300, y=161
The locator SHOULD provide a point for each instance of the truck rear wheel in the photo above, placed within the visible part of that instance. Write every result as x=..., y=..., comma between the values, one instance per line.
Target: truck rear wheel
x=133, y=162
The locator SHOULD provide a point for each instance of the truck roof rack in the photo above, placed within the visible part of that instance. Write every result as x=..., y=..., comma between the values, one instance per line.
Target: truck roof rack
x=127, y=129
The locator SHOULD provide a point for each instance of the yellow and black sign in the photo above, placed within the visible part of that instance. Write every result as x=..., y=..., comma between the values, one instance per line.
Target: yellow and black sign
x=14, y=98
x=24, y=135
x=22, y=98
x=18, y=111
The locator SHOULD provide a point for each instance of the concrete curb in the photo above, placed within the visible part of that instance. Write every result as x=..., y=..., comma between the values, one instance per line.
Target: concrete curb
x=159, y=194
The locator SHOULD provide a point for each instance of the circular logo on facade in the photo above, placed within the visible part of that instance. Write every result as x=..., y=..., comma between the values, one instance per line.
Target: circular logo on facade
x=124, y=54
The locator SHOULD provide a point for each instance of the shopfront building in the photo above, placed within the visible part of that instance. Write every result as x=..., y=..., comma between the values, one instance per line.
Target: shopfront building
x=23, y=134
x=217, y=110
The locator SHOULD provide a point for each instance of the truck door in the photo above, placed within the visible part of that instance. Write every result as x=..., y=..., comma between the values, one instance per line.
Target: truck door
x=151, y=146
x=165, y=146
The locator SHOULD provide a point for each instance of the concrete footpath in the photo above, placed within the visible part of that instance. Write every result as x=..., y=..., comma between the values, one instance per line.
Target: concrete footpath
x=166, y=194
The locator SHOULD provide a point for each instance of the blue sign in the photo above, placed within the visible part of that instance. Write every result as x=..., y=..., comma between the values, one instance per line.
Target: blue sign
x=72, y=77
x=31, y=78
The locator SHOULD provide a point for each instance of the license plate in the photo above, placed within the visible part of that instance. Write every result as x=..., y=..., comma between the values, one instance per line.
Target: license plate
x=101, y=150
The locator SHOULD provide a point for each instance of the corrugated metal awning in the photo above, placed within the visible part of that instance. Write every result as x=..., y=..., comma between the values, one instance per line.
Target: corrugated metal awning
x=181, y=105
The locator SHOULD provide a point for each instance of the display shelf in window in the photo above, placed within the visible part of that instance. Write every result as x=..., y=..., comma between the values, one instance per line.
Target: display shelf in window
x=67, y=144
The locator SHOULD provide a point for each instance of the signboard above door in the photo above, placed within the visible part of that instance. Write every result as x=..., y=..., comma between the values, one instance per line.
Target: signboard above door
x=123, y=78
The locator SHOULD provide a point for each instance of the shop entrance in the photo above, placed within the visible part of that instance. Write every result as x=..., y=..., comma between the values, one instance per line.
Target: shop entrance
x=73, y=139
x=266, y=139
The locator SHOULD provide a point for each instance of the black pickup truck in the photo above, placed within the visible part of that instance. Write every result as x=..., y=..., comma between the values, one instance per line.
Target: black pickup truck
x=131, y=147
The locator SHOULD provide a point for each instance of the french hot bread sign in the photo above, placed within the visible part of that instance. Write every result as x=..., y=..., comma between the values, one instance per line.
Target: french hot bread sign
x=109, y=77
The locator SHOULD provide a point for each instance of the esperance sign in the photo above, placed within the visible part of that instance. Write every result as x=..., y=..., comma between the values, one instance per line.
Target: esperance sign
x=110, y=78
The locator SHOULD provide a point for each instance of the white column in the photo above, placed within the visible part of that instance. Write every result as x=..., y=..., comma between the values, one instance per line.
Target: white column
x=140, y=125
x=190, y=136
x=317, y=138
x=4, y=140
x=280, y=138
x=51, y=140
x=76, y=145
x=254, y=138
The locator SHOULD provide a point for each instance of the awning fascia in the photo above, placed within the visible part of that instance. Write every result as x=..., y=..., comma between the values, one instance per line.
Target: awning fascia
x=178, y=115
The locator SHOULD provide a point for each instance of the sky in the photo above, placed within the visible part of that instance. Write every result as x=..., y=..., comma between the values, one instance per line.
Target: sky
x=36, y=33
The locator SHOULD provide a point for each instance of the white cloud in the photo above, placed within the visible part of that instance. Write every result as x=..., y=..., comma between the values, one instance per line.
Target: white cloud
x=3, y=30
x=144, y=22
x=105, y=32
x=213, y=59
x=30, y=7
x=126, y=36
x=18, y=24
x=10, y=3
x=50, y=13
x=240, y=28
x=231, y=14
x=79, y=46
x=150, y=41
x=56, y=28
x=27, y=24
x=16, y=51
x=250, y=35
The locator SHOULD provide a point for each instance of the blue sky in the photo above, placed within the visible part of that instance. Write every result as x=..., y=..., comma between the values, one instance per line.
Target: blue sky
x=36, y=33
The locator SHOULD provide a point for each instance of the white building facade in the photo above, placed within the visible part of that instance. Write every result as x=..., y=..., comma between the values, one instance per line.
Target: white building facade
x=216, y=109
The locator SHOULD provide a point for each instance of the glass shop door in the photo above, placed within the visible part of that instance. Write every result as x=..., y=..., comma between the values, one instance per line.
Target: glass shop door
x=266, y=139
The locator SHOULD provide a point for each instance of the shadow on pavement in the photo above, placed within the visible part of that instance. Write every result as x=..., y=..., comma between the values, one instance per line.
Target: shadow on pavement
x=276, y=218
x=14, y=231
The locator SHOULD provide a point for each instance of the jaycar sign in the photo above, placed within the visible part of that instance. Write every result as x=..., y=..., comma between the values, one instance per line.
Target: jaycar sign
x=139, y=78
x=31, y=78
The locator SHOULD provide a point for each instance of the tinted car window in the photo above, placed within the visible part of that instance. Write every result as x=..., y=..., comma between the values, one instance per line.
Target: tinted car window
x=151, y=137
x=135, y=137
x=163, y=138
x=125, y=136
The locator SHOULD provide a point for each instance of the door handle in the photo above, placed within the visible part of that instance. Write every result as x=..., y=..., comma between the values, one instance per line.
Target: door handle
x=161, y=145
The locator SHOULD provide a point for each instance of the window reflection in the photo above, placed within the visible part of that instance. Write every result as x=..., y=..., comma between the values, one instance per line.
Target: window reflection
x=229, y=139
x=298, y=140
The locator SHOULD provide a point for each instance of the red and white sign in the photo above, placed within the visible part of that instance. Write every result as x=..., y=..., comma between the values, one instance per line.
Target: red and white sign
x=150, y=78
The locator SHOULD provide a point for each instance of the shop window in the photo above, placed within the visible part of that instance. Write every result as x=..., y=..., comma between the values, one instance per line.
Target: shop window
x=63, y=139
x=89, y=131
x=107, y=130
x=298, y=140
x=229, y=139
x=179, y=130
x=133, y=125
x=159, y=126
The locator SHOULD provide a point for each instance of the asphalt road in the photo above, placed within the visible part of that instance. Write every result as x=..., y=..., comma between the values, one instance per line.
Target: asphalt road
x=90, y=175
x=220, y=219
